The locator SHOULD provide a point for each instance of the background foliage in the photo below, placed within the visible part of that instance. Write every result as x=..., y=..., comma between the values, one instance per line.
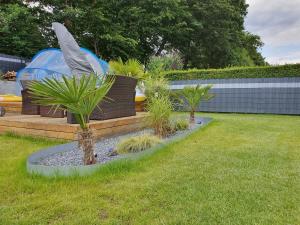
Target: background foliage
x=206, y=34
x=235, y=72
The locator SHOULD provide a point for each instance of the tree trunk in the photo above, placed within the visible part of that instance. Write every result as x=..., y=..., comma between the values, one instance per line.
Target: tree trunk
x=192, y=116
x=86, y=144
x=95, y=43
x=185, y=62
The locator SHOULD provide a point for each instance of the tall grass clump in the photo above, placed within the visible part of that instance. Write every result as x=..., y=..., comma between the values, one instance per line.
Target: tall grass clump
x=160, y=110
x=180, y=124
x=137, y=144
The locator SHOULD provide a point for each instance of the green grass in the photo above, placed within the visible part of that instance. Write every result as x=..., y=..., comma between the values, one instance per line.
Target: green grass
x=241, y=169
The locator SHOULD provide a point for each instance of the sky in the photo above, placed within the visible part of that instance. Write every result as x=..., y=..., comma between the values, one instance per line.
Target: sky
x=277, y=22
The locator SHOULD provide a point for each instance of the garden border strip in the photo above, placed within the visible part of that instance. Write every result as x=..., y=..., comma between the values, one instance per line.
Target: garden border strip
x=53, y=171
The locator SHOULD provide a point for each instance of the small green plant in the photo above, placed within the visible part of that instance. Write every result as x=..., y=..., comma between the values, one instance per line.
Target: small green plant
x=180, y=124
x=192, y=96
x=132, y=68
x=160, y=110
x=137, y=144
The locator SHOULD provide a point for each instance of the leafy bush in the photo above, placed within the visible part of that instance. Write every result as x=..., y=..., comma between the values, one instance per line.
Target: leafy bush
x=180, y=124
x=235, y=72
x=132, y=68
x=164, y=63
x=160, y=110
x=137, y=144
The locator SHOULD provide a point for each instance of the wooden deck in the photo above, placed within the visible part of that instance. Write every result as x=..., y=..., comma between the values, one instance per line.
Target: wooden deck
x=14, y=107
x=58, y=128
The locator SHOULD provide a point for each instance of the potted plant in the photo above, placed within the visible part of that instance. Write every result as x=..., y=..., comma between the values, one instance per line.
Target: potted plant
x=79, y=96
x=120, y=100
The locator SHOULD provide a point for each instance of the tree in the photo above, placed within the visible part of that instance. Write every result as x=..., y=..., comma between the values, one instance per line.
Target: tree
x=252, y=43
x=78, y=96
x=207, y=34
x=19, y=31
x=193, y=96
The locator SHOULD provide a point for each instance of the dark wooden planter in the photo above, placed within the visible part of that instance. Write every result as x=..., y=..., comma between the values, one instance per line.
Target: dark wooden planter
x=48, y=111
x=119, y=101
x=28, y=107
x=72, y=120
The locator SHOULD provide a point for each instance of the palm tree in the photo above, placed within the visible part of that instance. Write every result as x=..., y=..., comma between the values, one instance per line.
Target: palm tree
x=79, y=96
x=193, y=96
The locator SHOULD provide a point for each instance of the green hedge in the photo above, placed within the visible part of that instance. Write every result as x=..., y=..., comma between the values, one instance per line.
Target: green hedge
x=236, y=72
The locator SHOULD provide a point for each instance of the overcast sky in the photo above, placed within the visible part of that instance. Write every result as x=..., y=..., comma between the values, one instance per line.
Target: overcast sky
x=277, y=22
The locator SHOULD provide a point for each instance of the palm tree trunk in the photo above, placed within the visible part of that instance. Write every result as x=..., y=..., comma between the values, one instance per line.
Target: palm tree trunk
x=192, y=116
x=86, y=143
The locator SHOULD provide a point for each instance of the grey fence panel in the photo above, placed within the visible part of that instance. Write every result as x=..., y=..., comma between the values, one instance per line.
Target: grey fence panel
x=8, y=87
x=12, y=63
x=270, y=95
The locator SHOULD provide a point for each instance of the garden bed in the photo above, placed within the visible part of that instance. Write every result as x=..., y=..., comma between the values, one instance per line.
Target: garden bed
x=66, y=159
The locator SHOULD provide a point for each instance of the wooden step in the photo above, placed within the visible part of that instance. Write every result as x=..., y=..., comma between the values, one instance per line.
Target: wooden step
x=58, y=128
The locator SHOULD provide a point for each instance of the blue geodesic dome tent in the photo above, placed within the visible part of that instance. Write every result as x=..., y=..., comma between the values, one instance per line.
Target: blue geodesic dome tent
x=69, y=60
x=50, y=63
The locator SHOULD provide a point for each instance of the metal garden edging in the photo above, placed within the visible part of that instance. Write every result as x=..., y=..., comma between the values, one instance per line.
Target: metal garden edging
x=33, y=166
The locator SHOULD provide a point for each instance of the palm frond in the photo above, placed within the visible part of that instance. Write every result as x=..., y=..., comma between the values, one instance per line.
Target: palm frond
x=194, y=95
x=78, y=96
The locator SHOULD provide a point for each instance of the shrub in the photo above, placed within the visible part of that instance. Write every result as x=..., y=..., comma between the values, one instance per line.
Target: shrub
x=235, y=72
x=132, y=68
x=160, y=110
x=137, y=144
x=180, y=124
x=156, y=87
x=163, y=63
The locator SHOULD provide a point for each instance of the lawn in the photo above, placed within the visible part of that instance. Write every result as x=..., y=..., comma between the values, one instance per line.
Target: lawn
x=241, y=169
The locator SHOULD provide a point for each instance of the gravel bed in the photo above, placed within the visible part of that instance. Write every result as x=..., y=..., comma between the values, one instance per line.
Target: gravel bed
x=103, y=149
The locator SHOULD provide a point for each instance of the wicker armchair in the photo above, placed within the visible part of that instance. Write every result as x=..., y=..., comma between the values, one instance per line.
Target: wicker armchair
x=28, y=107
x=119, y=101
x=48, y=111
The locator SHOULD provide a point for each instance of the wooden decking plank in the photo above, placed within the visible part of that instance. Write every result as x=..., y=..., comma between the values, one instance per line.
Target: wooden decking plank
x=117, y=122
x=117, y=130
x=35, y=125
x=40, y=126
x=38, y=133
